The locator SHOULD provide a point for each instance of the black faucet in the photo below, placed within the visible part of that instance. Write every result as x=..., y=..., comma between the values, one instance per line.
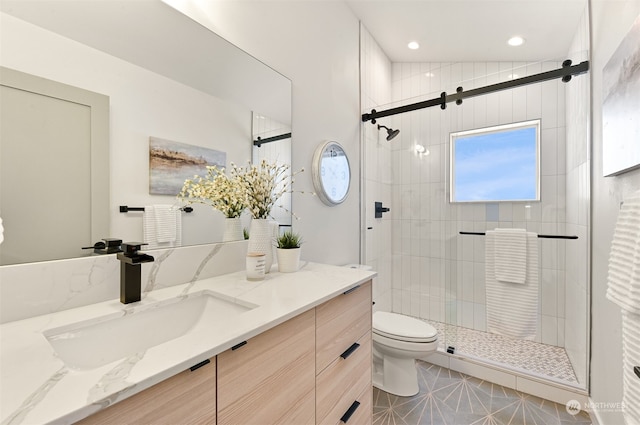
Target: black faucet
x=131, y=271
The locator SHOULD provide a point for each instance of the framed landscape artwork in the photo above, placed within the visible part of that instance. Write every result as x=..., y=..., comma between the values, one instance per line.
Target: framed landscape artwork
x=171, y=163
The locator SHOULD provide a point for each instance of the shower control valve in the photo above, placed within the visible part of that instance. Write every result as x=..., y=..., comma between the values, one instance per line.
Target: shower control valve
x=380, y=209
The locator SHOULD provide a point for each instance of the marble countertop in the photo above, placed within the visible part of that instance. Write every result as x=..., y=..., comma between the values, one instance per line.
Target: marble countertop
x=37, y=387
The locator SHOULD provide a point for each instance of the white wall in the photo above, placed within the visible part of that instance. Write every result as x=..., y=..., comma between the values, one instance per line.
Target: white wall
x=611, y=20
x=143, y=104
x=315, y=44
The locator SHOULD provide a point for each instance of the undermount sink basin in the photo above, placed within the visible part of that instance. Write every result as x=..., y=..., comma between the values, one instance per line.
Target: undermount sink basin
x=97, y=342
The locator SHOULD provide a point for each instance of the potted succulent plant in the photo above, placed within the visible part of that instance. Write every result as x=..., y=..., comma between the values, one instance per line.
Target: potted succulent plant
x=288, y=251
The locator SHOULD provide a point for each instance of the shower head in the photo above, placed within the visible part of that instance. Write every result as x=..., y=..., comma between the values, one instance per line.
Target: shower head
x=390, y=132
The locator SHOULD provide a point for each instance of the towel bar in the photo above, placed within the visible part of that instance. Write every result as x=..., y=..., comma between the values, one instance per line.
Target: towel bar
x=540, y=236
x=125, y=209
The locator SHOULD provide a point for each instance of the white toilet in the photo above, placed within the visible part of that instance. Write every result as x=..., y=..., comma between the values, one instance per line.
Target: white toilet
x=398, y=341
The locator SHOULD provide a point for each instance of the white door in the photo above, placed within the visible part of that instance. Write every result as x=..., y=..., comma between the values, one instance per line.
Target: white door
x=45, y=174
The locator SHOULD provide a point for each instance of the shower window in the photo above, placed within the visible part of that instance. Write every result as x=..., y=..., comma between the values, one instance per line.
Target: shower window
x=496, y=164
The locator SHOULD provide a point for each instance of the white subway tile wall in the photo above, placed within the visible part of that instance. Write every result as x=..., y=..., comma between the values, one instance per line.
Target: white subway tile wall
x=421, y=189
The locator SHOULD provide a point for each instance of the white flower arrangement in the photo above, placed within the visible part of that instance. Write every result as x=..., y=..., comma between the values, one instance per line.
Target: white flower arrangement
x=216, y=189
x=263, y=185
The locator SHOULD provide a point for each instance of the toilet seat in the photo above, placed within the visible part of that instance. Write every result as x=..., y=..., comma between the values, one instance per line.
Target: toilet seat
x=403, y=328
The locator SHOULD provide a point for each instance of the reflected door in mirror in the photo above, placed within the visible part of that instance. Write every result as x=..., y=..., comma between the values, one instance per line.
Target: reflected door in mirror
x=45, y=173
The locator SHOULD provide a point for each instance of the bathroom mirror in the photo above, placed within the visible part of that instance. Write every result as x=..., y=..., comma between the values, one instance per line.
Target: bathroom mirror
x=166, y=77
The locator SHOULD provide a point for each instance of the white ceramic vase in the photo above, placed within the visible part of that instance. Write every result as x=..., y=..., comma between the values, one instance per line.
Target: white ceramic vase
x=288, y=259
x=262, y=234
x=232, y=230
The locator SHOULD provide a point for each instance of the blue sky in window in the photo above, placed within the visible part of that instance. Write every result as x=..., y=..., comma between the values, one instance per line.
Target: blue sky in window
x=496, y=166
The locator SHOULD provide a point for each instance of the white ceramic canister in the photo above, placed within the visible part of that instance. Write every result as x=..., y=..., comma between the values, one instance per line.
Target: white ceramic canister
x=255, y=265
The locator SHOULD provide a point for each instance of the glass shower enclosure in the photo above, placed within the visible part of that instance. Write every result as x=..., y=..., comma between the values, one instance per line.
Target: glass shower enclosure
x=430, y=252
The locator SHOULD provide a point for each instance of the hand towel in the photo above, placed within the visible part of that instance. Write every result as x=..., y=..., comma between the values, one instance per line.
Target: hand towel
x=165, y=223
x=162, y=226
x=624, y=258
x=512, y=308
x=510, y=252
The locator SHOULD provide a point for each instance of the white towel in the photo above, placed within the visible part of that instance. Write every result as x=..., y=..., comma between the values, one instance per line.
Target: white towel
x=162, y=226
x=512, y=308
x=630, y=358
x=165, y=223
x=510, y=254
x=624, y=258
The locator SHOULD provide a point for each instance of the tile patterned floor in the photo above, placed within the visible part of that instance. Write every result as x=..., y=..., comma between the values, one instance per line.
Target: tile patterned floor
x=451, y=398
x=530, y=357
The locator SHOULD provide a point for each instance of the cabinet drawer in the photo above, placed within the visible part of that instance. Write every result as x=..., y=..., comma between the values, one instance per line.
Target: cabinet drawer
x=341, y=321
x=187, y=398
x=361, y=413
x=270, y=379
x=342, y=382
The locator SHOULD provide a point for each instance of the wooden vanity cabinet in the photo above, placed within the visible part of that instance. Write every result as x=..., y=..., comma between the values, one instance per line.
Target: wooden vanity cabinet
x=271, y=378
x=312, y=369
x=188, y=398
x=343, y=358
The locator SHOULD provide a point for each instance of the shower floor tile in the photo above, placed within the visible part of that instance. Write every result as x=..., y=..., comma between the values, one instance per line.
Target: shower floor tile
x=529, y=357
x=450, y=398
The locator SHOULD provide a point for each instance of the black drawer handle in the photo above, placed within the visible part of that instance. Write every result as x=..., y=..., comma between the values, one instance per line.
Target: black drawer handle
x=235, y=347
x=349, y=351
x=199, y=365
x=348, y=291
x=350, y=412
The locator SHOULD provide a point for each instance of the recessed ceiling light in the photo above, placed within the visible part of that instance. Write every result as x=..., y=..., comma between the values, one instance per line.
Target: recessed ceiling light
x=515, y=41
x=413, y=45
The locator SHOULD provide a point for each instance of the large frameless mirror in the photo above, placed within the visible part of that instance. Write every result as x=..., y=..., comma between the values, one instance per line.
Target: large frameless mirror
x=166, y=77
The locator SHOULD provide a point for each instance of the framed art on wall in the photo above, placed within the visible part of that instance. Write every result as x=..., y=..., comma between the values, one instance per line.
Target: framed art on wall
x=170, y=163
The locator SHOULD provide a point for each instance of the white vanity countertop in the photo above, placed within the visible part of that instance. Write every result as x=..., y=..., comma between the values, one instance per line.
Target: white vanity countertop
x=36, y=386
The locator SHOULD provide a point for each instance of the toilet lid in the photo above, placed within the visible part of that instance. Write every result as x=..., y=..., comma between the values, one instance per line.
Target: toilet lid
x=398, y=326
